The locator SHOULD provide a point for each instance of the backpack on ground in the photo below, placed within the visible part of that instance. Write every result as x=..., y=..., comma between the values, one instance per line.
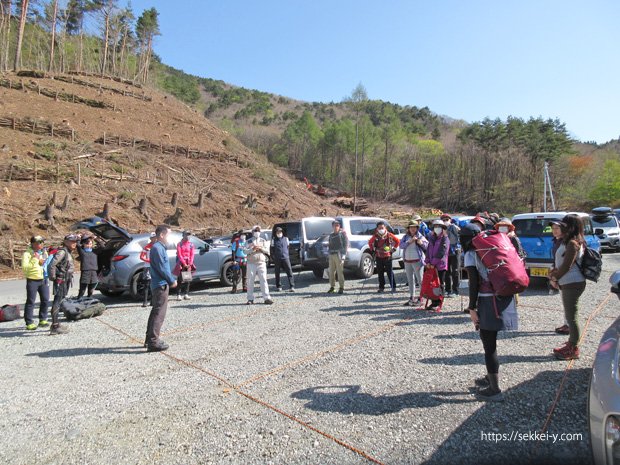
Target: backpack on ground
x=10, y=313
x=79, y=309
x=507, y=273
x=591, y=264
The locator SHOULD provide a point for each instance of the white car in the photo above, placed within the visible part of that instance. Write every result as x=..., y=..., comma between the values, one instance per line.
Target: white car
x=607, y=228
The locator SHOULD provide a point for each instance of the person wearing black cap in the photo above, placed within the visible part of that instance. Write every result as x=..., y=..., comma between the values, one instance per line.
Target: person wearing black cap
x=61, y=274
x=338, y=244
x=568, y=278
x=488, y=312
x=88, y=267
x=36, y=283
x=281, y=259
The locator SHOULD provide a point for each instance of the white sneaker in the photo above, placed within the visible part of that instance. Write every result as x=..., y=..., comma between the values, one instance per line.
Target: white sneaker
x=179, y=298
x=187, y=297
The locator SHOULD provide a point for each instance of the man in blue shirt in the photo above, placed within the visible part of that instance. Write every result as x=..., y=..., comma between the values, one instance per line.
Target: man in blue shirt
x=162, y=280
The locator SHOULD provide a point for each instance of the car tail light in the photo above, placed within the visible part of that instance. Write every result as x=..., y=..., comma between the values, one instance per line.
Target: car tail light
x=612, y=440
x=118, y=258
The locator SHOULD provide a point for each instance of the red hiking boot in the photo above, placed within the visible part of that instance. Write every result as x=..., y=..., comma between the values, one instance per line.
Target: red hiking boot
x=566, y=352
x=562, y=329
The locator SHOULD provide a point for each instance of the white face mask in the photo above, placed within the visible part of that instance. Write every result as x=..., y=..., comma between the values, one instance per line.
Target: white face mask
x=279, y=235
x=256, y=234
x=503, y=229
x=381, y=231
x=446, y=222
x=438, y=230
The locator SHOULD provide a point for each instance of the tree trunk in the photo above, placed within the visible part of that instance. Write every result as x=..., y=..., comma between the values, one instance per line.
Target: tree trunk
x=106, y=38
x=52, y=42
x=20, y=36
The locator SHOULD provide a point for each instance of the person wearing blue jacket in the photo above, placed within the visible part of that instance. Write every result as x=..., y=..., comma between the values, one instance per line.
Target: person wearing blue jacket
x=162, y=280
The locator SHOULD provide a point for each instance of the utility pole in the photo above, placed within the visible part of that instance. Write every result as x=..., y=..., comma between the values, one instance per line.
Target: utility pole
x=548, y=184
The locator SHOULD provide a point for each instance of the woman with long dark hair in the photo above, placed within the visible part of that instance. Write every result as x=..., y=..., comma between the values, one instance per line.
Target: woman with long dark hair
x=567, y=277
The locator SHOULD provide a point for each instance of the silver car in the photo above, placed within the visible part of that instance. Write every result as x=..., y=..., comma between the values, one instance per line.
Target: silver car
x=604, y=393
x=119, y=263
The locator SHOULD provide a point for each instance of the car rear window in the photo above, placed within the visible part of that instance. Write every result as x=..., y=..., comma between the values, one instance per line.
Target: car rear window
x=317, y=228
x=290, y=230
x=608, y=222
x=532, y=227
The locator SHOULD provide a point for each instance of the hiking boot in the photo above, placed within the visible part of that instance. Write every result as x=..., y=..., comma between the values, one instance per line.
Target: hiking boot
x=32, y=326
x=268, y=302
x=187, y=297
x=380, y=291
x=393, y=290
x=450, y=295
x=278, y=289
x=58, y=330
x=482, y=382
x=409, y=303
x=43, y=323
x=234, y=290
x=331, y=290
x=250, y=302
x=562, y=329
x=159, y=347
x=341, y=290
x=567, y=352
x=292, y=289
x=489, y=394
x=179, y=298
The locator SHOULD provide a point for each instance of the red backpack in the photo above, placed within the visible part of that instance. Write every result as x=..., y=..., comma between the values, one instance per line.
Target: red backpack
x=507, y=273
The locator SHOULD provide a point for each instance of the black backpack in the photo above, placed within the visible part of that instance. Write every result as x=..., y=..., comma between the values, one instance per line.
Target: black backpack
x=591, y=264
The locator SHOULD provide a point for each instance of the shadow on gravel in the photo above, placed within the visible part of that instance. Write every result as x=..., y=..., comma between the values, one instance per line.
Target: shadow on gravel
x=19, y=332
x=478, y=359
x=485, y=437
x=80, y=351
x=504, y=335
x=349, y=400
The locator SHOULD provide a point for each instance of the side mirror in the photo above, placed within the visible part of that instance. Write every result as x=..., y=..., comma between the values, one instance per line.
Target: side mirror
x=599, y=232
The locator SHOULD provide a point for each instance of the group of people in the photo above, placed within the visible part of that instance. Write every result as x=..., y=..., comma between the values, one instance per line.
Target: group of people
x=439, y=248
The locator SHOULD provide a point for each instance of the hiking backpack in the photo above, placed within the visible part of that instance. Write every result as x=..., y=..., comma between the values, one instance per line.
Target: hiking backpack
x=46, y=264
x=591, y=264
x=78, y=309
x=10, y=312
x=507, y=274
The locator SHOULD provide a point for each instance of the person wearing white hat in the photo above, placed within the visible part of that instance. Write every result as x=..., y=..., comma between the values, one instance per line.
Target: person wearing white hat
x=257, y=250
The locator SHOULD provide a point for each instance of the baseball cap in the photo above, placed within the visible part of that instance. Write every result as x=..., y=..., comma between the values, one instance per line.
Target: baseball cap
x=558, y=222
x=71, y=237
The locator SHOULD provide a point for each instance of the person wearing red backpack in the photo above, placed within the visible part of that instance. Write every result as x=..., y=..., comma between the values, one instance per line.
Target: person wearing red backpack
x=383, y=244
x=489, y=313
x=568, y=278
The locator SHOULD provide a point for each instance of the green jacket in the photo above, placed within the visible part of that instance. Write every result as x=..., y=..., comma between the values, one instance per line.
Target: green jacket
x=30, y=264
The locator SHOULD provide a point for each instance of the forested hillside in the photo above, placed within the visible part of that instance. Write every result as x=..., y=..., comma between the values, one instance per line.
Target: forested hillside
x=362, y=145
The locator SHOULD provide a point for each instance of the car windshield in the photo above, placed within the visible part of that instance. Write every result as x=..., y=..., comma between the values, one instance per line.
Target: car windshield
x=317, y=228
x=532, y=227
x=607, y=222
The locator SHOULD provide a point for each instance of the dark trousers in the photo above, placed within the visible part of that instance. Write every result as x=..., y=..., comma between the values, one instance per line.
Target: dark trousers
x=183, y=286
x=60, y=292
x=84, y=287
x=489, y=342
x=384, y=265
x=240, y=274
x=452, y=274
x=285, y=264
x=34, y=287
x=442, y=278
x=159, y=301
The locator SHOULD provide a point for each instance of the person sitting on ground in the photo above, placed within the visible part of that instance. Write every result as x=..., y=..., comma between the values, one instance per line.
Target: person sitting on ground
x=437, y=254
x=185, y=262
x=414, y=246
x=383, y=244
x=489, y=314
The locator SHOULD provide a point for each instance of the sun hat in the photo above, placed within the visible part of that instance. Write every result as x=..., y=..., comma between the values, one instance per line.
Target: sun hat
x=439, y=223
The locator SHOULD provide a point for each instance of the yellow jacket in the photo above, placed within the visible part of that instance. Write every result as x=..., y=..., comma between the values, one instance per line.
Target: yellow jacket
x=30, y=264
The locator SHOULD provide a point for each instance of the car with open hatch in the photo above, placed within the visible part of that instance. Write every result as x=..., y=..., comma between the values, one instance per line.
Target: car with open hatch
x=120, y=267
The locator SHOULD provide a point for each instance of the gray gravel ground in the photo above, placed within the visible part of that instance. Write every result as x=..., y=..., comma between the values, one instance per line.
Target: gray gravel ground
x=311, y=379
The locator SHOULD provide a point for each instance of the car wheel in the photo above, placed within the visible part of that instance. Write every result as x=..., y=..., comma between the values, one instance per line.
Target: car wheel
x=226, y=277
x=318, y=272
x=138, y=286
x=367, y=266
x=109, y=293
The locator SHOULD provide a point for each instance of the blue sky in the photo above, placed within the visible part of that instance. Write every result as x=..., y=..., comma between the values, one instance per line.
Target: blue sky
x=467, y=59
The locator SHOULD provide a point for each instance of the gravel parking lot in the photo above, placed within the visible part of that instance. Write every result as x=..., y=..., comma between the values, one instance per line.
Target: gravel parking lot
x=314, y=378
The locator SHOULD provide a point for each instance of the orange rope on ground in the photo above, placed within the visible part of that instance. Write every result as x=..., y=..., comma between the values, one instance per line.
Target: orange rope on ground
x=224, y=381
x=569, y=366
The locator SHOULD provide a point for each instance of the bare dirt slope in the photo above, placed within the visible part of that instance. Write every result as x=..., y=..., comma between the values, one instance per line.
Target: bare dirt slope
x=199, y=159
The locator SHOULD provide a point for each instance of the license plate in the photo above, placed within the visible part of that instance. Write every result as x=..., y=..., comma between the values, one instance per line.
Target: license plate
x=539, y=272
